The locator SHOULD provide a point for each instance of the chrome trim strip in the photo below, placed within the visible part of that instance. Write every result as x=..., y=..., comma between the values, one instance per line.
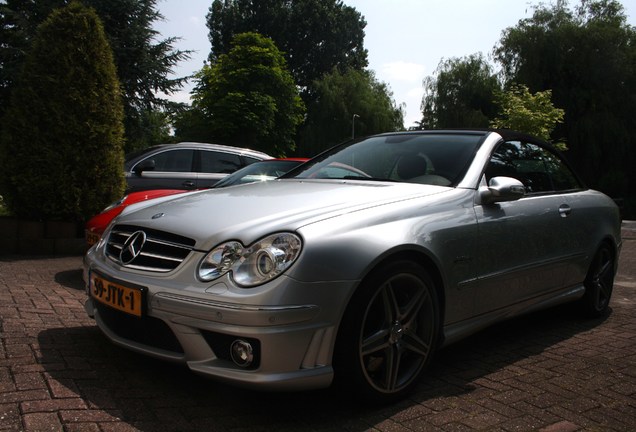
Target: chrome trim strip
x=167, y=243
x=150, y=239
x=146, y=268
x=162, y=257
x=232, y=313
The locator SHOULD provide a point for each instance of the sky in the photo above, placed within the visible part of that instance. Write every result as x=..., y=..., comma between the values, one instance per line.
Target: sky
x=405, y=39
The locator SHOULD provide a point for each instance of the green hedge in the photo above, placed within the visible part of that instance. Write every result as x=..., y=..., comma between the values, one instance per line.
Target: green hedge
x=61, y=148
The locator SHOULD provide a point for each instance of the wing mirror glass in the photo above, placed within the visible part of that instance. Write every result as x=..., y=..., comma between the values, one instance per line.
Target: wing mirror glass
x=502, y=189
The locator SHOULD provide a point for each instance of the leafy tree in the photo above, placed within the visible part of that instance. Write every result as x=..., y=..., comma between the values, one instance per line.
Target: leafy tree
x=152, y=126
x=191, y=124
x=587, y=56
x=315, y=35
x=61, y=147
x=460, y=94
x=523, y=111
x=143, y=62
x=248, y=97
x=339, y=96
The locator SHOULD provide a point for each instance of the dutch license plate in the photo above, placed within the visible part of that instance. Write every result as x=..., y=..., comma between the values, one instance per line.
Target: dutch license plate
x=126, y=299
x=92, y=238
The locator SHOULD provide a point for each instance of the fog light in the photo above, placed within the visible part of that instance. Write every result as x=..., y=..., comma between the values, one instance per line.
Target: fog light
x=242, y=353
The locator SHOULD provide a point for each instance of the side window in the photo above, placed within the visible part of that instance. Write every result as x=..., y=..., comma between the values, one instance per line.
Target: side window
x=174, y=160
x=248, y=160
x=502, y=162
x=218, y=162
x=539, y=170
x=562, y=176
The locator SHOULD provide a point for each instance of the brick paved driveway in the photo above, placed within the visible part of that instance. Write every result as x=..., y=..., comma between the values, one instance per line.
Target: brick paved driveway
x=548, y=371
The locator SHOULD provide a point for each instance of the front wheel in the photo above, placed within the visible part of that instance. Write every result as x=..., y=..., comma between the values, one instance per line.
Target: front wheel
x=599, y=283
x=388, y=333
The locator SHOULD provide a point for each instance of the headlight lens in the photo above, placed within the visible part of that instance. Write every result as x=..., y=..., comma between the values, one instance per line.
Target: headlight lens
x=253, y=265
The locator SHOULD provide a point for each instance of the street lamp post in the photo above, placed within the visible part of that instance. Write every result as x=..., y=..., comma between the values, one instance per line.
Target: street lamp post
x=353, y=125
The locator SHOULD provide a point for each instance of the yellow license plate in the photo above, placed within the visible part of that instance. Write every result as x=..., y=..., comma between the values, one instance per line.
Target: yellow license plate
x=126, y=299
x=92, y=238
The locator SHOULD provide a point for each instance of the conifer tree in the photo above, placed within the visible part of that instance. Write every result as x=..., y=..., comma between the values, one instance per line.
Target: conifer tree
x=61, y=148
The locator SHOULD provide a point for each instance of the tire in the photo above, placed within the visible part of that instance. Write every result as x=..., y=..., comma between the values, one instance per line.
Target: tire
x=599, y=283
x=388, y=334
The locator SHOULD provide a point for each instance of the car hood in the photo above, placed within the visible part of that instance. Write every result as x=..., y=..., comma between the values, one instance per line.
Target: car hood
x=249, y=212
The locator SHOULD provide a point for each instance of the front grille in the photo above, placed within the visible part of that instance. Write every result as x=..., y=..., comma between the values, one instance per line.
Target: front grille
x=147, y=330
x=161, y=252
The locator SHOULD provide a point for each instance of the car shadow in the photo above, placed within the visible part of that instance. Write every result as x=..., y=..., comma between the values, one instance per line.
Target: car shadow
x=513, y=342
x=70, y=279
x=151, y=395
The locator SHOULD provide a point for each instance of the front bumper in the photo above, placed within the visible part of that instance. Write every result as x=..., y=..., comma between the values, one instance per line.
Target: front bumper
x=293, y=340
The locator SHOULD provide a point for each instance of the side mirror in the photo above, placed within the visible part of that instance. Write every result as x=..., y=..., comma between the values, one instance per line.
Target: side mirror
x=502, y=189
x=145, y=165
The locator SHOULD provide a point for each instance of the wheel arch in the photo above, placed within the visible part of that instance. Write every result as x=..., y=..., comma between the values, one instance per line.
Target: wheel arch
x=614, y=246
x=349, y=372
x=418, y=256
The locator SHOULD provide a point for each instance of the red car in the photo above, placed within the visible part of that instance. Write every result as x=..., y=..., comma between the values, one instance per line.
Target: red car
x=97, y=224
x=257, y=171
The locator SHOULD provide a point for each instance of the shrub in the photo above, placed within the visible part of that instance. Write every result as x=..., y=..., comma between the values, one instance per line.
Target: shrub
x=61, y=148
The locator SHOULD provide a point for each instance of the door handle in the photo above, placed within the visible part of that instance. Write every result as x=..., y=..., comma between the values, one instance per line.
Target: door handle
x=188, y=184
x=565, y=210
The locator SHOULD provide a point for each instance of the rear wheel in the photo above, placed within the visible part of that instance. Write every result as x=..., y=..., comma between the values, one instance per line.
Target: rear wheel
x=599, y=283
x=389, y=332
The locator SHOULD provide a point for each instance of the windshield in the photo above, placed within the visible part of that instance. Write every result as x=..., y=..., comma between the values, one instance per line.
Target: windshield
x=428, y=158
x=258, y=171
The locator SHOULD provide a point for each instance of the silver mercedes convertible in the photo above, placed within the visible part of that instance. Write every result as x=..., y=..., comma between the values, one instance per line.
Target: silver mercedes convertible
x=356, y=266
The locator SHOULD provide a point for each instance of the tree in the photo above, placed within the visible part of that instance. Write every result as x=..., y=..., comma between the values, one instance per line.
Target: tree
x=248, y=97
x=523, y=111
x=315, y=35
x=339, y=96
x=143, y=62
x=191, y=124
x=587, y=57
x=61, y=147
x=460, y=94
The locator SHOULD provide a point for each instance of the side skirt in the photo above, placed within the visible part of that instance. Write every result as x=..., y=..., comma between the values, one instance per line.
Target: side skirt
x=457, y=331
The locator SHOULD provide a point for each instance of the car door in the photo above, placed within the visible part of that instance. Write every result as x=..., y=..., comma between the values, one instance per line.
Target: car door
x=167, y=169
x=579, y=213
x=215, y=165
x=526, y=246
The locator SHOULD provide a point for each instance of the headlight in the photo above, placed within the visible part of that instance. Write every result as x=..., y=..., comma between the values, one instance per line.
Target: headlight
x=253, y=265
